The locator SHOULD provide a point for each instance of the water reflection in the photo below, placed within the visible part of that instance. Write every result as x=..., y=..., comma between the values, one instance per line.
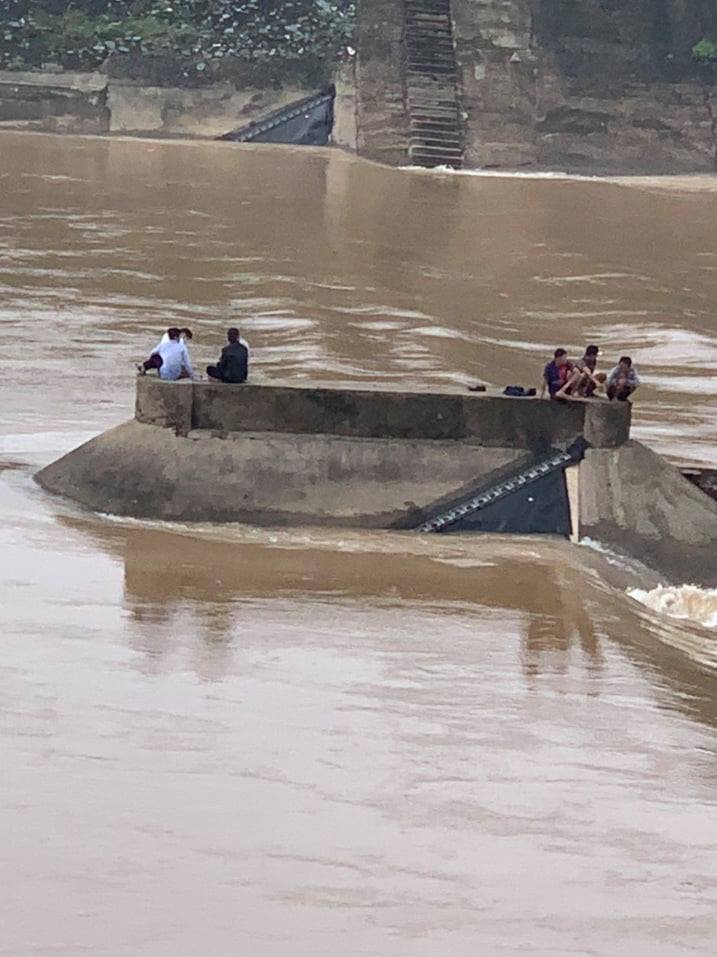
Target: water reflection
x=199, y=593
x=368, y=737
x=561, y=621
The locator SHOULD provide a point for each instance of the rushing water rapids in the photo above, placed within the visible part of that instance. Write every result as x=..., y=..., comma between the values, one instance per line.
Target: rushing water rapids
x=230, y=740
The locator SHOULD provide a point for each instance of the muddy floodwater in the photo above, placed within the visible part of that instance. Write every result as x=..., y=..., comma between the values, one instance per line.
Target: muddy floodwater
x=234, y=741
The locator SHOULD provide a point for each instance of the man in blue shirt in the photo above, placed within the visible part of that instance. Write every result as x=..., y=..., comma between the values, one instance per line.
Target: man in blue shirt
x=556, y=373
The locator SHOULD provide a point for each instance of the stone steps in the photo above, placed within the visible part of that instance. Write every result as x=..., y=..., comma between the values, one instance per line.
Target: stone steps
x=435, y=126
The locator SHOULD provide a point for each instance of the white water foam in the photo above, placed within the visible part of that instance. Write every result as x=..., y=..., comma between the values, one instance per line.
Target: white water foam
x=676, y=183
x=687, y=602
x=503, y=173
x=612, y=557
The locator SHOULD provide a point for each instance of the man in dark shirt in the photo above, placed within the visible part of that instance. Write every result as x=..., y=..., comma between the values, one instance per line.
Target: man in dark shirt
x=556, y=373
x=233, y=366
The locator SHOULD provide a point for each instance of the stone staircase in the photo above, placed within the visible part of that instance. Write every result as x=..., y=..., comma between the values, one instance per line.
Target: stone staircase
x=436, y=130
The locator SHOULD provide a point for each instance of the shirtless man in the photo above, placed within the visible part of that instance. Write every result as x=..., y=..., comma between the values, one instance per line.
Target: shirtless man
x=584, y=379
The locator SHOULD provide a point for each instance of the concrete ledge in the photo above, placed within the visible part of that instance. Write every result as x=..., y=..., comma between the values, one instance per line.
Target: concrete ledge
x=55, y=79
x=633, y=499
x=489, y=420
x=73, y=102
x=166, y=404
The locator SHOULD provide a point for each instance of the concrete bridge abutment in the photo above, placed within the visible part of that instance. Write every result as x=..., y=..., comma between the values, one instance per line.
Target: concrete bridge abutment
x=285, y=455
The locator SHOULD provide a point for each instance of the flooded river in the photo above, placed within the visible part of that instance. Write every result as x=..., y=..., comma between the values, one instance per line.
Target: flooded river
x=239, y=741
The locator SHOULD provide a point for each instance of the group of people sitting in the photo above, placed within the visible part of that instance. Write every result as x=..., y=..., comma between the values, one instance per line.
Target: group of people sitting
x=581, y=380
x=172, y=361
x=563, y=379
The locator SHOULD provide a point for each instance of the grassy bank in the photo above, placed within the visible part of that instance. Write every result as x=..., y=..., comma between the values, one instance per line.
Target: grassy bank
x=192, y=41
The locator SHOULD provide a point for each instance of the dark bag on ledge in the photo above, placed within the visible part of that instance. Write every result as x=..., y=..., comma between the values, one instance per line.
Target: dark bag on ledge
x=518, y=392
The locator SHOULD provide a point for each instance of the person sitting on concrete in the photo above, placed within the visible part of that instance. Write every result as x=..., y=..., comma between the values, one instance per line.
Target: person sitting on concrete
x=586, y=378
x=170, y=358
x=622, y=381
x=154, y=362
x=556, y=374
x=243, y=341
x=233, y=365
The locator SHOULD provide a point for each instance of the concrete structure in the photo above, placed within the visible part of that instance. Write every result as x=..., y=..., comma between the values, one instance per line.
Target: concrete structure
x=381, y=115
x=490, y=421
x=585, y=86
x=589, y=86
x=61, y=102
x=630, y=495
x=65, y=102
x=200, y=451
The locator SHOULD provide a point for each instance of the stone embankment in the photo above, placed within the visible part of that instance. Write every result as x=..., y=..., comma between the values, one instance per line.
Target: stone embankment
x=584, y=87
x=281, y=455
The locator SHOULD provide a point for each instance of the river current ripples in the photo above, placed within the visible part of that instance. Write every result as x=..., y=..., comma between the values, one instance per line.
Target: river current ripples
x=226, y=740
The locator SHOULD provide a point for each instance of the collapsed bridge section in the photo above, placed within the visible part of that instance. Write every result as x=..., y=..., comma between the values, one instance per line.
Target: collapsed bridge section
x=279, y=454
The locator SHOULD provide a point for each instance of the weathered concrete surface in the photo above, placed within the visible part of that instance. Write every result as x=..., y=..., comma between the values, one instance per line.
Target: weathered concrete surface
x=207, y=112
x=147, y=471
x=490, y=420
x=382, y=117
x=54, y=102
x=167, y=404
x=633, y=499
x=345, y=131
x=65, y=102
x=588, y=86
x=281, y=455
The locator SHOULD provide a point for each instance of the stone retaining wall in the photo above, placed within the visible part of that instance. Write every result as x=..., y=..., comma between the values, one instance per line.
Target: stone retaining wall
x=382, y=118
x=54, y=102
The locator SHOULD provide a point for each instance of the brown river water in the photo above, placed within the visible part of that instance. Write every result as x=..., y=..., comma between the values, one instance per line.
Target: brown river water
x=238, y=741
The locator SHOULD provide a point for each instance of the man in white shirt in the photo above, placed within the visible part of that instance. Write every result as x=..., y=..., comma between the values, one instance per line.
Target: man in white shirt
x=185, y=335
x=170, y=358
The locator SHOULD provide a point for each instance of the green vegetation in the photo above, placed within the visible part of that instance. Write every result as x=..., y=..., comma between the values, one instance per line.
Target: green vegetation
x=83, y=33
x=705, y=52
